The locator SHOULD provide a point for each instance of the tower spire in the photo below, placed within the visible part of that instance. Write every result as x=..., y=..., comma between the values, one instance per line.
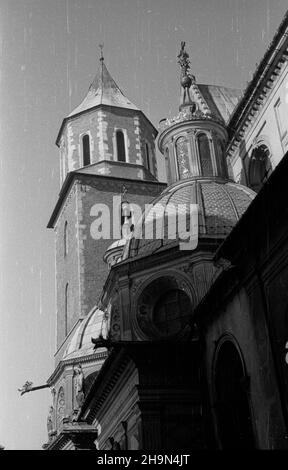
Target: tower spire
x=101, y=46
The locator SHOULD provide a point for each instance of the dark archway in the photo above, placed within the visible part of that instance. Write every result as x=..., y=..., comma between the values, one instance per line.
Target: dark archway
x=232, y=405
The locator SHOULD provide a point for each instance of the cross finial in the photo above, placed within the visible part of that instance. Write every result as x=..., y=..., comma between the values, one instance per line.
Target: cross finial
x=101, y=49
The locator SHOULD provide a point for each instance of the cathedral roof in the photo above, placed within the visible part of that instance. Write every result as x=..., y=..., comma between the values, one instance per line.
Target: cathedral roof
x=221, y=203
x=275, y=53
x=103, y=91
x=80, y=344
x=213, y=102
x=221, y=100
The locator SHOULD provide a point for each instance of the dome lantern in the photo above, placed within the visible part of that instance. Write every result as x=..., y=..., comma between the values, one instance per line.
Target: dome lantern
x=194, y=141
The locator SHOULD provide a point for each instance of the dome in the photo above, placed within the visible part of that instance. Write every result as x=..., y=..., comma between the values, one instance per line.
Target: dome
x=90, y=327
x=220, y=202
x=114, y=252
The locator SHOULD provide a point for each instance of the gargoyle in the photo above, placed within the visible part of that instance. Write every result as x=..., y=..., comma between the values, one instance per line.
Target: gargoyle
x=26, y=387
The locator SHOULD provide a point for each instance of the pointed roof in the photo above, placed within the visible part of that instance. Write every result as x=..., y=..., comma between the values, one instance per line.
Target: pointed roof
x=103, y=91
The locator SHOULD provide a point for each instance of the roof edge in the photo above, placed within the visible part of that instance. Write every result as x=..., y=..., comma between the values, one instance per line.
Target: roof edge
x=86, y=111
x=258, y=77
x=70, y=179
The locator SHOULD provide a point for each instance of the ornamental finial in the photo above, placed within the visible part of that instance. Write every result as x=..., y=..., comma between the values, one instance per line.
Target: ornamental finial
x=186, y=77
x=183, y=57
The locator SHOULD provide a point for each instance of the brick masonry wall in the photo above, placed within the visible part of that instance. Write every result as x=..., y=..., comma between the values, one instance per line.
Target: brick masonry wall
x=101, y=190
x=67, y=266
x=83, y=267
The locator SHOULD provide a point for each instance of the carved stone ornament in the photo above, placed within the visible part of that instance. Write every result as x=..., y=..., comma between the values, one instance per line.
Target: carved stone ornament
x=78, y=386
x=60, y=408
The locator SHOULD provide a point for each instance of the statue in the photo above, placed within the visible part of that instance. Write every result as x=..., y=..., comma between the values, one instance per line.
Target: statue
x=79, y=385
x=50, y=422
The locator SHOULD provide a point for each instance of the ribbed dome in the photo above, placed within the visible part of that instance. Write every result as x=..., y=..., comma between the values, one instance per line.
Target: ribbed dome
x=221, y=203
x=80, y=343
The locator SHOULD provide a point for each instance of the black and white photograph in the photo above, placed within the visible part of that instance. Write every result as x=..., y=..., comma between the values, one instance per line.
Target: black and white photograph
x=143, y=229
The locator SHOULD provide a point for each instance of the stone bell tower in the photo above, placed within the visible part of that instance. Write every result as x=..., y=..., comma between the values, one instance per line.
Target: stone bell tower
x=107, y=147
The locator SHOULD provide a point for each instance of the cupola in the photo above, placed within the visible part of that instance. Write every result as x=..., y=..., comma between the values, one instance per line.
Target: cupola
x=193, y=142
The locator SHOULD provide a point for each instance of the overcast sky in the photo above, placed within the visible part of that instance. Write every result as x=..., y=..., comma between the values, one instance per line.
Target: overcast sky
x=49, y=55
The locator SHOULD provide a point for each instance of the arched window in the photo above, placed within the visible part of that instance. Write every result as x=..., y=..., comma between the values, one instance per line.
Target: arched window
x=232, y=404
x=222, y=162
x=205, y=155
x=120, y=142
x=66, y=307
x=182, y=155
x=147, y=155
x=66, y=238
x=86, y=149
x=260, y=167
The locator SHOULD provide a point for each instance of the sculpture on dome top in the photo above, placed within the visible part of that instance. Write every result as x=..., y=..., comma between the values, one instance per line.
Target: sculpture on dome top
x=183, y=57
x=186, y=77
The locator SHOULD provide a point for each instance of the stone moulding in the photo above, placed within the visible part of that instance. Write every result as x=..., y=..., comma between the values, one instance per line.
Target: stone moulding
x=187, y=115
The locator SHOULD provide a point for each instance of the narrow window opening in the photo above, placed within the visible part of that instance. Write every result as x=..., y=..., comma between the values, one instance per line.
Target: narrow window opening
x=205, y=155
x=147, y=156
x=121, y=154
x=66, y=238
x=86, y=149
x=182, y=155
x=66, y=309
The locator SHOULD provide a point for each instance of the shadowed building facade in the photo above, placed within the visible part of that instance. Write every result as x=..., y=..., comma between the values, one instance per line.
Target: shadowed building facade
x=160, y=345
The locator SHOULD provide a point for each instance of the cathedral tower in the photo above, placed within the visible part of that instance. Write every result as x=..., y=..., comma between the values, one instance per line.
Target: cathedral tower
x=107, y=149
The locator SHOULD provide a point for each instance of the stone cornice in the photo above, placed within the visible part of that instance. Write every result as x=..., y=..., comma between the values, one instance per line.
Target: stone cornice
x=79, y=176
x=99, y=107
x=140, y=263
x=72, y=432
x=58, y=443
x=259, y=88
x=189, y=119
x=108, y=376
x=69, y=362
